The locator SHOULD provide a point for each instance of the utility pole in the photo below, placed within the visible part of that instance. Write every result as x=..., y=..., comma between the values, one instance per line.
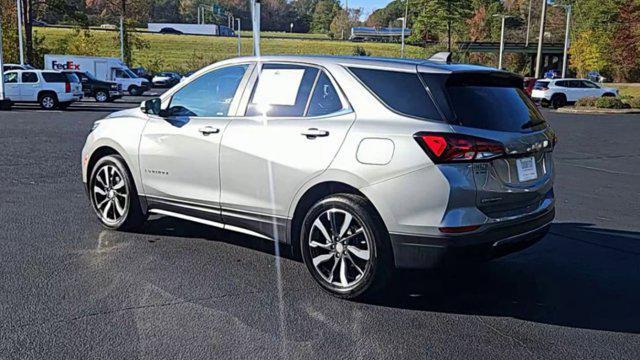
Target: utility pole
x=5, y=104
x=565, y=57
x=526, y=42
x=239, y=28
x=404, y=25
x=121, y=38
x=501, y=55
x=541, y=39
x=19, y=13
x=255, y=14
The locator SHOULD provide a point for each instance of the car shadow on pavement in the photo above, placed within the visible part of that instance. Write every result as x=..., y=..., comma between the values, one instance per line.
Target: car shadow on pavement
x=578, y=276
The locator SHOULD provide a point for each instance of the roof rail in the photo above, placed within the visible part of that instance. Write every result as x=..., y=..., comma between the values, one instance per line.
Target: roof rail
x=443, y=56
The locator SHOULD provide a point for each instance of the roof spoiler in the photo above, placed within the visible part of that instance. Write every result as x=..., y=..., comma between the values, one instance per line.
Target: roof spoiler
x=443, y=56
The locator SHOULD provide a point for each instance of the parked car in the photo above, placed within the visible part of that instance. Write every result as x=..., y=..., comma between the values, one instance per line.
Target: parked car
x=166, y=79
x=51, y=89
x=528, y=84
x=348, y=159
x=143, y=73
x=560, y=92
x=102, y=91
x=186, y=76
x=7, y=67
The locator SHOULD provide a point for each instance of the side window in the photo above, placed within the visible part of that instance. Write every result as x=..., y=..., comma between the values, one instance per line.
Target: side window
x=11, y=78
x=325, y=99
x=561, y=83
x=402, y=92
x=282, y=90
x=54, y=77
x=121, y=74
x=210, y=95
x=589, y=84
x=575, y=84
x=29, y=77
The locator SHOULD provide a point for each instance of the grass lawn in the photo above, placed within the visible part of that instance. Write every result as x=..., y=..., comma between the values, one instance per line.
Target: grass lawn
x=185, y=52
x=627, y=89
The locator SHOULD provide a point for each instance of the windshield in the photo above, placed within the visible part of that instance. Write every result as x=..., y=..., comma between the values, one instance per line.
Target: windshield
x=131, y=74
x=541, y=85
x=90, y=75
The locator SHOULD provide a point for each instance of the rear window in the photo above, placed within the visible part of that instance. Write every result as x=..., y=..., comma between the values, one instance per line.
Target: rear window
x=492, y=102
x=73, y=78
x=400, y=91
x=51, y=77
x=541, y=85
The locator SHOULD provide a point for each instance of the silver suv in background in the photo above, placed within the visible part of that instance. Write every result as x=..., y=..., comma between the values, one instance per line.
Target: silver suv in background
x=362, y=165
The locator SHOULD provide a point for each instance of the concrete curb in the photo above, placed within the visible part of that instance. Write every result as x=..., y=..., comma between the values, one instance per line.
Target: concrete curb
x=574, y=110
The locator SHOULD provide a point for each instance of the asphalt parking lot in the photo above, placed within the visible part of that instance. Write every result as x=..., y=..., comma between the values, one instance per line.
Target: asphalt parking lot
x=70, y=289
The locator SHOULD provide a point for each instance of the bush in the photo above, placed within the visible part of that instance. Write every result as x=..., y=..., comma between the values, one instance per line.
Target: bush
x=589, y=101
x=610, y=103
x=634, y=102
x=360, y=51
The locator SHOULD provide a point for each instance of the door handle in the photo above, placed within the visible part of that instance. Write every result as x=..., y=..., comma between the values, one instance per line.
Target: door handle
x=313, y=133
x=208, y=130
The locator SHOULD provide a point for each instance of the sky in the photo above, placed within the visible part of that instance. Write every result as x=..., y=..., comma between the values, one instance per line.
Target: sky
x=367, y=5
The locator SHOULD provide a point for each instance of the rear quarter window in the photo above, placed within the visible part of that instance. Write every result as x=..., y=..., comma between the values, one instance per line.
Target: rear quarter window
x=51, y=77
x=402, y=92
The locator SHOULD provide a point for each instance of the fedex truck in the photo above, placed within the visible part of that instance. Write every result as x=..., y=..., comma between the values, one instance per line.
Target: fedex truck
x=103, y=68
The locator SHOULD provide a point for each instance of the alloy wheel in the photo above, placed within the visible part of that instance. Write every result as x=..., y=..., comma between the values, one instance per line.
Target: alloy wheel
x=340, y=249
x=101, y=96
x=110, y=194
x=48, y=102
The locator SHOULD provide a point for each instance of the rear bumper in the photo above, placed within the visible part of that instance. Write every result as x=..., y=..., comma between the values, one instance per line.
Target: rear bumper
x=423, y=252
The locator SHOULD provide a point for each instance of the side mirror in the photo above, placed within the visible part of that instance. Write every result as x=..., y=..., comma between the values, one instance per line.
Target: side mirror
x=151, y=107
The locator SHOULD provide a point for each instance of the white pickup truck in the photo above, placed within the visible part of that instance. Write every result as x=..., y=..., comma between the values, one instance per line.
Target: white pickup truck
x=51, y=89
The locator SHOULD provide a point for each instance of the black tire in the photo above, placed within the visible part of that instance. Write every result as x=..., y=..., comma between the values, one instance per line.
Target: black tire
x=134, y=90
x=125, y=217
x=372, y=274
x=558, y=101
x=101, y=96
x=48, y=101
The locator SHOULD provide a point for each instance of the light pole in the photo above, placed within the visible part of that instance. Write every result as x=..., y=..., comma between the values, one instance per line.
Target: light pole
x=19, y=13
x=239, y=27
x=566, y=40
x=504, y=17
x=404, y=25
x=291, y=27
x=526, y=42
x=540, y=39
x=255, y=14
x=121, y=38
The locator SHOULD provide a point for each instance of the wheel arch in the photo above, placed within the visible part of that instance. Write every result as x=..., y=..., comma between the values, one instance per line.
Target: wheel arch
x=44, y=92
x=311, y=196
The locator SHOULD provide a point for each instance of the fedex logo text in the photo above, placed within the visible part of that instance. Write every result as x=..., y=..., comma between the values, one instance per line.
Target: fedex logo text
x=69, y=65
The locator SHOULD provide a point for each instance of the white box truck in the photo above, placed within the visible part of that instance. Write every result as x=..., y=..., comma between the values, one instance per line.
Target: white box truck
x=103, y=68
x=191, y=29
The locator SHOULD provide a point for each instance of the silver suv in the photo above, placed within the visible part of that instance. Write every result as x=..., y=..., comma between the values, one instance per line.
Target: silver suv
x=362, y=165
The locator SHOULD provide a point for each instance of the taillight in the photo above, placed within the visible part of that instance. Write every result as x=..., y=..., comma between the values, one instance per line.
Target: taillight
x=449, y=147
x=67, y=87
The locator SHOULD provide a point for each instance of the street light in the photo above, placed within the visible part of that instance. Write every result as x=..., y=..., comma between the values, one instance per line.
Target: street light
x=19, y=13
x=566, y=39
x=255, y=16
x=239, y=27
x=526, y=42
x=504, y=17
x=540, y=39
x=404, y=25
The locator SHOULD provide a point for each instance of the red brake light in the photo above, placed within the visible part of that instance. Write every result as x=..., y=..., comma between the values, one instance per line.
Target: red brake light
x=449, y=147
x=67, y=87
